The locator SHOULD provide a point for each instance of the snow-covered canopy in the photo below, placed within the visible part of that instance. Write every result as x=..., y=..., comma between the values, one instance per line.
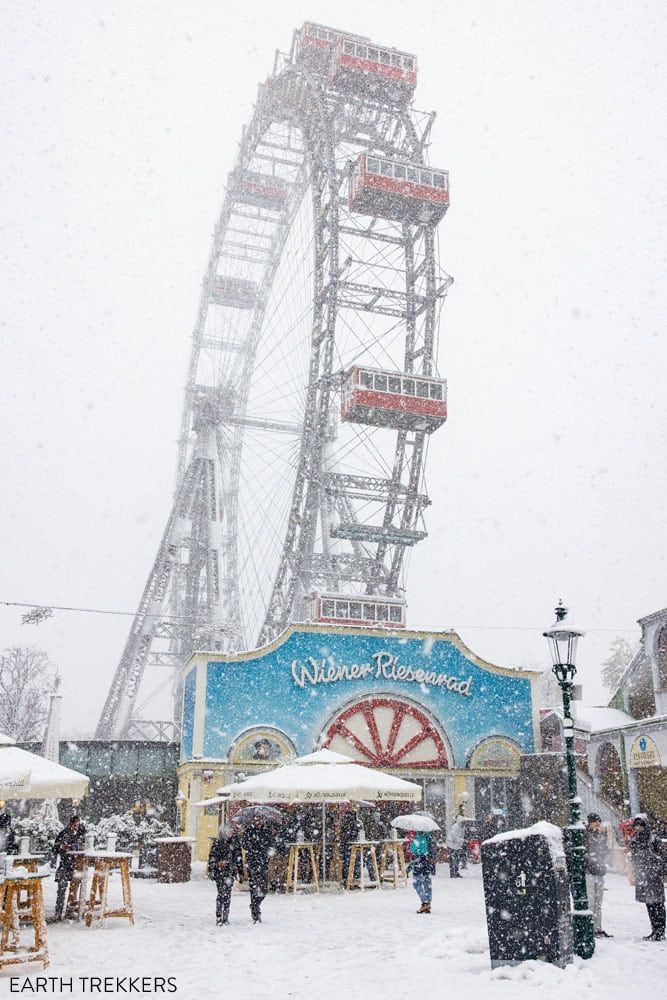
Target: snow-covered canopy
x=321, y=777
x=6, y=741
x=25, y=775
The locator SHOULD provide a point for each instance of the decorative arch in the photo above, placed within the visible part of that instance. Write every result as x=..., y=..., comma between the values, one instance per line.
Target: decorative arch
x=495, y=753
x=609, y=774
x=383, y=730
x=262, y=745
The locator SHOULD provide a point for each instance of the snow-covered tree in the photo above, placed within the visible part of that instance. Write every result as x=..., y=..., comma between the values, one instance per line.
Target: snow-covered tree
x=26, y=679
x=620, y=654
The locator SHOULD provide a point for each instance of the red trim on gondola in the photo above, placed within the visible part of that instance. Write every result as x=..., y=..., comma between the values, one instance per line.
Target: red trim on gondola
x=356, y=64
x=317, y=43
x=263, y=189
x=361, y=622
x=375, y=399
x=405, y=189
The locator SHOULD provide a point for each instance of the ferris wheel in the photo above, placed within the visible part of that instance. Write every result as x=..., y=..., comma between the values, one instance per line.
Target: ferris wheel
x=312, y=388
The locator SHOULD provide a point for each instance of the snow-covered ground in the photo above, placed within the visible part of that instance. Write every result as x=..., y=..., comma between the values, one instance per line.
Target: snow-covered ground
x=346, y=945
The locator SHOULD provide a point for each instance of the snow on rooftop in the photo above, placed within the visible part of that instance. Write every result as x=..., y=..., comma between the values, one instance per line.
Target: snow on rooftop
x=593, y=718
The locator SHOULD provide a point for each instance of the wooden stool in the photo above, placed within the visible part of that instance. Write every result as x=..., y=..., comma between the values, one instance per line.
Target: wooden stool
x=293, y=866
x=12, y=950
x=393, y=849
x=30, y=863
x=97, y=906
x=358, y=852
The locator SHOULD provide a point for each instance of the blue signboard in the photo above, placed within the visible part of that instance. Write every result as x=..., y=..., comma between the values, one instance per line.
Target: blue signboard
x=298, y=685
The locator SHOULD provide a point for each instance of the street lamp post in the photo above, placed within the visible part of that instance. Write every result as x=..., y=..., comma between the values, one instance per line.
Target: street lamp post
x=179, y=802
x=563, y=637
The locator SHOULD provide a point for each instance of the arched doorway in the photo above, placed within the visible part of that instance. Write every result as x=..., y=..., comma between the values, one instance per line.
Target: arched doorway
x=385, y=731
x=661, y=649
x=610, y=774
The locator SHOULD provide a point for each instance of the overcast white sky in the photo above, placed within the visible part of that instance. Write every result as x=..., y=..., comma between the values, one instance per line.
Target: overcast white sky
x=121, y=122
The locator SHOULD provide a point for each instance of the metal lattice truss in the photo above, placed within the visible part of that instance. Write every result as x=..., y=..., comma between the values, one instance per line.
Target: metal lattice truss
x=276, y=497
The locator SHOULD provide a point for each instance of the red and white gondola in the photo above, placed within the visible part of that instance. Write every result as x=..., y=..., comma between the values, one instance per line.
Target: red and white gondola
x=398, y=190
x=392, y=399
x=261, y=190
x=359, y=66
x=314, y=44
x=368, y=610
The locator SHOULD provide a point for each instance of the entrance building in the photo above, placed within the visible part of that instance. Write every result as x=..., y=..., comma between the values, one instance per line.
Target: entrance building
x=419, y=705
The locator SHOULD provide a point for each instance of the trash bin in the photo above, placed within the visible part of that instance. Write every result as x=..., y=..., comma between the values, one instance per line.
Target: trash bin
x=527, y=896
x=174, y=858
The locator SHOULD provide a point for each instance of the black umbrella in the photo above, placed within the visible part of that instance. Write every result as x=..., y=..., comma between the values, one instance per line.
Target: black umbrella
x=268, y=813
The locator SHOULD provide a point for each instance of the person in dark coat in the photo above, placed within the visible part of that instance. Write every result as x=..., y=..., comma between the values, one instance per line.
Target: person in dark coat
x=456, y=842
x=224, y=861
x=69, y=839
x=350, y=828
x=8, y=842
x=597, y=863
x=649, y=865
x=257, y=843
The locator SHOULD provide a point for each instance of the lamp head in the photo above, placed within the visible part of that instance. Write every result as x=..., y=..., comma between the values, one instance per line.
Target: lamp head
x=562, y=637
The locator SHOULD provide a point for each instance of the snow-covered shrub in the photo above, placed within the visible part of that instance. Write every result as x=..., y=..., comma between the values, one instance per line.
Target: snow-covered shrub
x=130, y=830
x=41, y=827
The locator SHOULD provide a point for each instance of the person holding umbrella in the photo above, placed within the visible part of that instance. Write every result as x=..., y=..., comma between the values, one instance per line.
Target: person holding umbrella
x=422, y=853
x=224, y=861
x=257, y=843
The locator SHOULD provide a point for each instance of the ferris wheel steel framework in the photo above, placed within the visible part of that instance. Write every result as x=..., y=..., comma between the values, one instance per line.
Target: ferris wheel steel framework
x=305, y=133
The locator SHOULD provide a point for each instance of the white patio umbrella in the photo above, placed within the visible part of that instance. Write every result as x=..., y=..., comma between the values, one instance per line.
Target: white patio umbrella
x=25, y=775
x=9, y=783
x=323, y=776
